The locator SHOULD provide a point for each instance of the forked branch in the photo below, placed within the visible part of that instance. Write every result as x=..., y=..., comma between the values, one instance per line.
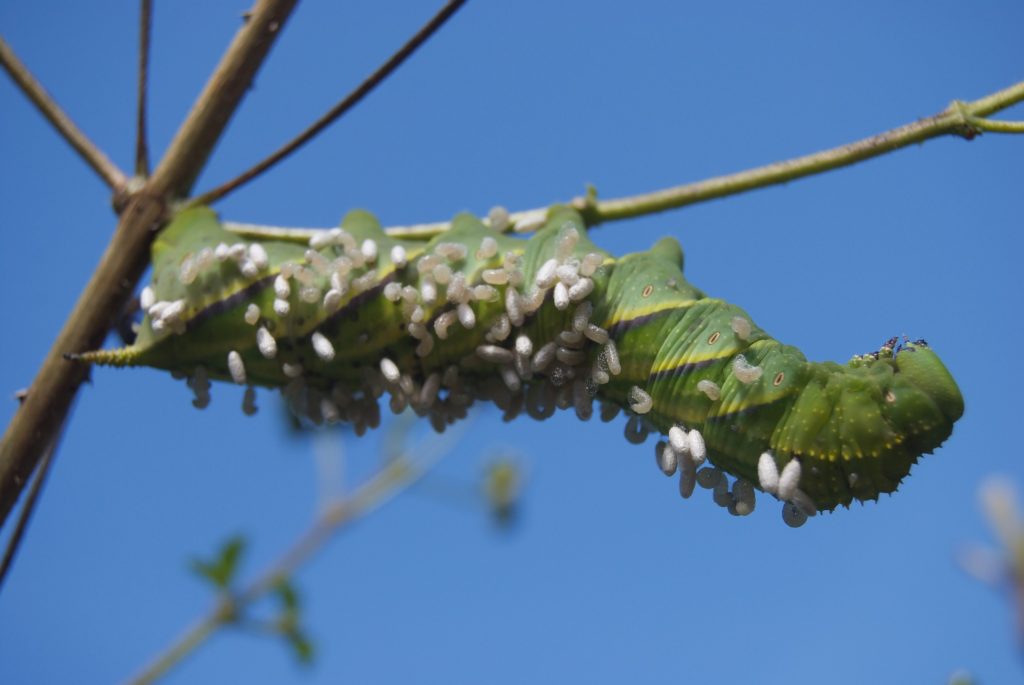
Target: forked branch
x=141, y=143
x=393, y=478
x=51, y=394
x=48, y=107
x=347, y=103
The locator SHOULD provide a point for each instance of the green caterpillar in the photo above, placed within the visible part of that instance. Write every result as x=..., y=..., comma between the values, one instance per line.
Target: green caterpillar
x=535, y=325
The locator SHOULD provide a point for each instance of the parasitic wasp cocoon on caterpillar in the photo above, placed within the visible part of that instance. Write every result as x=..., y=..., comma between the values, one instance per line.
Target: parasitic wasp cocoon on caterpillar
x=552, y=322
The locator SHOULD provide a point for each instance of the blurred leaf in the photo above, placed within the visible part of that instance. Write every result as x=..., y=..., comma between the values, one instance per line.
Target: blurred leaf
x=221, y=570
x=961, y=678
x=287, y=594
x=301, y=646
x=503, y=488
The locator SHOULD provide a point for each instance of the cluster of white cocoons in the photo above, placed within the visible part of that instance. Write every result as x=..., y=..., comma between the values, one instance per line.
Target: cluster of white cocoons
x=434, y=298
x=686, y=452
x=797, y=506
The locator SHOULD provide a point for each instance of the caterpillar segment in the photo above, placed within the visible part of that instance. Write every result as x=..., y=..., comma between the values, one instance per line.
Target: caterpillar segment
x=533, y=326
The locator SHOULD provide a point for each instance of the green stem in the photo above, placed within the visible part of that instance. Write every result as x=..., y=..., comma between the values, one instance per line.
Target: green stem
x=187, y=643
x=394, y=477
x=963, y=119
x=960, y=119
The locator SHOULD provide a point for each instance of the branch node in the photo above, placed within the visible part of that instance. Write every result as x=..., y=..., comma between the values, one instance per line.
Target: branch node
x=964, y=126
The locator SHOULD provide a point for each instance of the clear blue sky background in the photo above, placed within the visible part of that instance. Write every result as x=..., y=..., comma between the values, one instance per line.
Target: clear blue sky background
x=609, y=577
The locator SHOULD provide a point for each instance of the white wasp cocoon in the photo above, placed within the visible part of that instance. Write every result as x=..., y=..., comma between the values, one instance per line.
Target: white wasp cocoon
x=580, y=291
x=698, y=451
x=310, y=294
x=399, y=257
x=666, y=458
x=258, y=255
x=428, y=291
x=332, y=300
x=369, y=250
x=236, y=367
x=596, y=333
x=442, y=273
x=677, y=438
x=543, y=357
x=501, y=328
x=568, y=274
x=511, y=378
x=453, y=252
x=590, y=263
x=291, y=370
x=744, y=372
x=252, y=315
x=390, y=370
x=789, y=479
x=561, y=296
x=514, y=306
x=188, y=271
x=524, y=345
x=494, y=276
x=488, y=247
x=485, y=293
x=249, y=268
x=442, y=323
x=466, y=315
x=147, y=298
x=546, y=274
x=495, y=354
x=281, y=307
x=281, y=287
x=709, y=388
x=612, y=357
x=322, y=346
x=567, y=239
x=741, y=327
x=768, y=473
x=266, y=343
x=640, y=401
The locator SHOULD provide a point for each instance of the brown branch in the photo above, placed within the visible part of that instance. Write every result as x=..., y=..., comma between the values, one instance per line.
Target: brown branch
x=26, y=511
x=48, y=107
x=194, y=142
x=141, y=145
x=54, y=388
x=332, y=115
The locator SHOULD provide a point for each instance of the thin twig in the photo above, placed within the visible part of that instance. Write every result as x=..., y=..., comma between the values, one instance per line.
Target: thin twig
x=347, y=103
x=141, y=144
x=957, y=119
x=395, y=476
x=194, y=142
x=48, y=107
x=55, y=386
x=960, y=118
x=997, y=126
x=39, y=479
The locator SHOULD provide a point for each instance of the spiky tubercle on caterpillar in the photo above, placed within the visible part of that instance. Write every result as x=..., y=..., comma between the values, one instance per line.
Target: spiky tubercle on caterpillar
x=534, y=325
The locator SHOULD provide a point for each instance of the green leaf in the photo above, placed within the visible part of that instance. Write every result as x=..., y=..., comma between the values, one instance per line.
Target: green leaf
x=287, y=594
x=301, y=647
x=221, y=571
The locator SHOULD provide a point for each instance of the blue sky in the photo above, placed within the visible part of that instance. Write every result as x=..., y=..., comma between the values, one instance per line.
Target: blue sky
x=609, y=576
